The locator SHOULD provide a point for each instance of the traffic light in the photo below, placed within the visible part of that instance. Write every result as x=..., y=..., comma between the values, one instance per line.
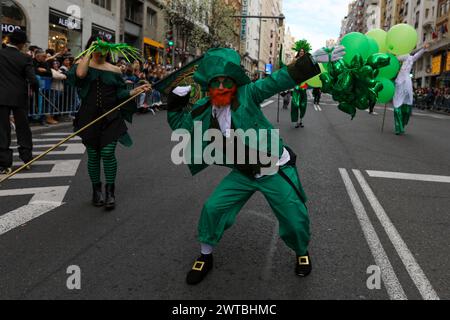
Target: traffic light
x=170, y=40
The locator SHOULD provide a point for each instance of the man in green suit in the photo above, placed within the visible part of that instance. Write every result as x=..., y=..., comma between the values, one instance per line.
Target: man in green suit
x=234, y=103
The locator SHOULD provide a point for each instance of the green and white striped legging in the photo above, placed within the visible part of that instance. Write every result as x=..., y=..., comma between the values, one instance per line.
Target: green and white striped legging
x=108, y=154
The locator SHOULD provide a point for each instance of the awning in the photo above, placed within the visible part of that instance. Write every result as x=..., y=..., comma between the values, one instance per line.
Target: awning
x=153, y=43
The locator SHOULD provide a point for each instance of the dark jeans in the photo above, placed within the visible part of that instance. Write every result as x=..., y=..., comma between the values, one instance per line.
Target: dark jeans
x=23, y=132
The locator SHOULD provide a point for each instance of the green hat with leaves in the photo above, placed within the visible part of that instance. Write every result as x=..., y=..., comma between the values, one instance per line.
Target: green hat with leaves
x=221, y=62
x=302, y=44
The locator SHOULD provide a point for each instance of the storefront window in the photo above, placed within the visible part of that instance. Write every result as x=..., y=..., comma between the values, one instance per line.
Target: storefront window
x=64, y=33
x=13, y=18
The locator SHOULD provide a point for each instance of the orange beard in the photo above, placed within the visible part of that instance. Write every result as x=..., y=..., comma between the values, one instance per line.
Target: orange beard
x=222, y=97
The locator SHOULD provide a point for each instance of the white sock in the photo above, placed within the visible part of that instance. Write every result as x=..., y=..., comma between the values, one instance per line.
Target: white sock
x=207, y=249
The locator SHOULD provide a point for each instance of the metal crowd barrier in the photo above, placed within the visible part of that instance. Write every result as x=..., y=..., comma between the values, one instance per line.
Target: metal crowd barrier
x=48, y=101
x=438, y=104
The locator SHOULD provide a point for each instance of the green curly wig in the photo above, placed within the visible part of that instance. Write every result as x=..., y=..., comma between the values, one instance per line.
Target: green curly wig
x=114, y=49
x=302, y=44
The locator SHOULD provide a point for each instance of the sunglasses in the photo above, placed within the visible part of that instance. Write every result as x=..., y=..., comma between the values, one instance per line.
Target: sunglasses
x=227, y=84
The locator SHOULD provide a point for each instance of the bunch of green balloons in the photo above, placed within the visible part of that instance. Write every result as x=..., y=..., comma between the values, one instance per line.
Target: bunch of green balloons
x=365, y=75
x=355, y=85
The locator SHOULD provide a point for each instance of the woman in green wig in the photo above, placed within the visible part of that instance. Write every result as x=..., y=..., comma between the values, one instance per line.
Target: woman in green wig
x=101, y=89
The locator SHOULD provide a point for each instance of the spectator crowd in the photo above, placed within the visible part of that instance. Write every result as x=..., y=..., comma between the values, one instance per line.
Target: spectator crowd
x=436, y=99
x=57, y=100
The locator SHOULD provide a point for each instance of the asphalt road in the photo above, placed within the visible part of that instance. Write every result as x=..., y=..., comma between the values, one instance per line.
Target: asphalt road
x=375, y=198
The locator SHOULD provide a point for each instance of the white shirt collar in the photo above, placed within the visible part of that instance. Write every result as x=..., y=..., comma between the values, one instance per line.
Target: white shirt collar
x=12, y=46
x=223, y=116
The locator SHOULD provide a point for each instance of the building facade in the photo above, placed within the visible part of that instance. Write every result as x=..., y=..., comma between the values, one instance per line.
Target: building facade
x=250, y=36
x=59, y=24
x=289, y=43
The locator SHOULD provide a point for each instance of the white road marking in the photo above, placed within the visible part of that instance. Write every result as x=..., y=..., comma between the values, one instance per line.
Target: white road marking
x=56, y=134
x=408, y=176
x=61, y=168
x=393, y=286
x=49, y=140
x=415, y=272
x=265, y=104
x=43, y=201
x=71, y=149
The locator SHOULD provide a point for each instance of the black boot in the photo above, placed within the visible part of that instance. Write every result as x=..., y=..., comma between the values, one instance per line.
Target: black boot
x=110, y=203
x=97, y=198
x=303, y=267
x=202, y=266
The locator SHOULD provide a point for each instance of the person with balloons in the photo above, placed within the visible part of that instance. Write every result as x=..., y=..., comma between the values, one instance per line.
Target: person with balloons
x=404, y=94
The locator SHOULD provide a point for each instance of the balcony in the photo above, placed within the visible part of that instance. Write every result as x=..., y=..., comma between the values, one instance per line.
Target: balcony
x=429, y=23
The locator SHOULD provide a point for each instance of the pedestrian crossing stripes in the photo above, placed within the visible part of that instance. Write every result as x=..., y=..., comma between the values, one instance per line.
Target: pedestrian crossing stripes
x=51, y=196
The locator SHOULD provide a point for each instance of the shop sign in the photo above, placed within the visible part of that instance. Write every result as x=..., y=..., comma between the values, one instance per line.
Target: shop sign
x=436, y=65
x=244, y=25
x=447, y=64
x=107, y=34
x=10, y=28
x=65, y=21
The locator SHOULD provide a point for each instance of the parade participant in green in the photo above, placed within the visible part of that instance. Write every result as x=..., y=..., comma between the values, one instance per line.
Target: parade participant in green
x=101, y=89
x=299, y=105
x=234, y=102
x=299, y=97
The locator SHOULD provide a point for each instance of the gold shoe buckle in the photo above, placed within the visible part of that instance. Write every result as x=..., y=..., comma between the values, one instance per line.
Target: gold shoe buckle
x=303, y=261
x=198, y=266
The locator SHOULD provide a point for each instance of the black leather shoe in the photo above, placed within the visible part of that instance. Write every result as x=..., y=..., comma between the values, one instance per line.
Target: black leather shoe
x=110, y=202
x=4, y=170
x=303, y=266
x=202, y=266
x=97, y=198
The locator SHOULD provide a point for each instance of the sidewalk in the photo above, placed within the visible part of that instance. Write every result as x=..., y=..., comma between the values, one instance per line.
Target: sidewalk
x=39, y=129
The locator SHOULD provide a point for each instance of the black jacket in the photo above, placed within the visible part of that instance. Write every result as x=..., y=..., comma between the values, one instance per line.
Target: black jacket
x=16, y=72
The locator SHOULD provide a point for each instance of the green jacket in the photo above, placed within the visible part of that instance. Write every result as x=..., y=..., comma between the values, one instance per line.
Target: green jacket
x=246, y=109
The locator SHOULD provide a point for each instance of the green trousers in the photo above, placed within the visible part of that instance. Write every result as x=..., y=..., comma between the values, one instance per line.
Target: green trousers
x=401, y=117
x=222, y=208
x=299, y=105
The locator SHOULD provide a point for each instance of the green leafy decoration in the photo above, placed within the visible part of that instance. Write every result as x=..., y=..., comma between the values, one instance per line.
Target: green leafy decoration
x=302, y=44
x=114, y=49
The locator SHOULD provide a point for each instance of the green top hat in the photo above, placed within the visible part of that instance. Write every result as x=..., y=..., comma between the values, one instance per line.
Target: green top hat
x=221, y=62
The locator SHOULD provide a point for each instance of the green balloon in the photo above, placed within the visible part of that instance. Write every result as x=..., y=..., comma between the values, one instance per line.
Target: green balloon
x=355, y=43
x=379, y=36
x=316, y=82
x=373, y=46
x=401, y=39
x=378, y=60
x=388, y=92
x=391, y=71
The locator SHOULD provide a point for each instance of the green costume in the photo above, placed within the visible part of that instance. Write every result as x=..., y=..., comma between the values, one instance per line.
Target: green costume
x=299, y=104
x=101, y=91
x=283, y=190
x=401, y=118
